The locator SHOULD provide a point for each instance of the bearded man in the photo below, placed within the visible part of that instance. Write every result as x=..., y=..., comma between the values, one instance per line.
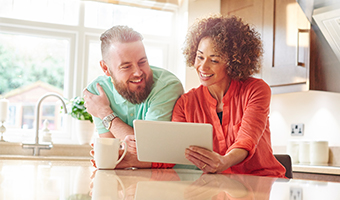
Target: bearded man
x=131, y=89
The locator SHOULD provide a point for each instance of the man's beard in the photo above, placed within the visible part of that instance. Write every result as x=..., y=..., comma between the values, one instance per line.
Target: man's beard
x=136, y=97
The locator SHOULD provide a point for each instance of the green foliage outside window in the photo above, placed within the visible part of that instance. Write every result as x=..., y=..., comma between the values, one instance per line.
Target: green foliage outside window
x=17, y=70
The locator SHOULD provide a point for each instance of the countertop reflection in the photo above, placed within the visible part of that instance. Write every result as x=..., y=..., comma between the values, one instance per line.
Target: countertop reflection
x=177, y=184
x=28, y=179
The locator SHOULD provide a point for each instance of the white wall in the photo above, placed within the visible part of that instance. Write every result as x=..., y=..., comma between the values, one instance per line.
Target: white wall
x=318, y=111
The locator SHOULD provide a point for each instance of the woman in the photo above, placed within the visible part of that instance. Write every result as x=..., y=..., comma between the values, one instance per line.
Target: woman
x=225, y=53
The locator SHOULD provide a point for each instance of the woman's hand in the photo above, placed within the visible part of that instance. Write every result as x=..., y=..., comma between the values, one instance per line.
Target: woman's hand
x=208, y=161
x=212, y=162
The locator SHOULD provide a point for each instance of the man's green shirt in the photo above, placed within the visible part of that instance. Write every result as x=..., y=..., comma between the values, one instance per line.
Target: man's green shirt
x=167, y=88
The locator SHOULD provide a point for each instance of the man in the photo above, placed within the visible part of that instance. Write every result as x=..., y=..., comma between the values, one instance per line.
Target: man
x=130, y=90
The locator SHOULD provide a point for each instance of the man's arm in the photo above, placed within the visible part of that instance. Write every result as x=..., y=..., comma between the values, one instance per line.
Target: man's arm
x=106, y=135
x=99, y=106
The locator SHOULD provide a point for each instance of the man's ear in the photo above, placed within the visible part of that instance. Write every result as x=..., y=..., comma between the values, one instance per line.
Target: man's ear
x=105, y=68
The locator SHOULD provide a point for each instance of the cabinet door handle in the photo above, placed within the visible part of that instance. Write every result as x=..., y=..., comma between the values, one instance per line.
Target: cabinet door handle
x=302, y=45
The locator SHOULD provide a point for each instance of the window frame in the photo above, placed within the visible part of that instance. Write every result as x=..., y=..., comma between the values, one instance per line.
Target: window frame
x=75, y=77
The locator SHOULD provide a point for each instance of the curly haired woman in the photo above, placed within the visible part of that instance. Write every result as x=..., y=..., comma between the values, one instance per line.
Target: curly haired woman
x=225, y=53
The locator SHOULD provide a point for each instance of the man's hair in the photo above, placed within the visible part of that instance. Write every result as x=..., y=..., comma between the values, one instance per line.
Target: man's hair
x=120, y=34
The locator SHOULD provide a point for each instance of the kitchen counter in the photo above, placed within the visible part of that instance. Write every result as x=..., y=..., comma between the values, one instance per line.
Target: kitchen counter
x=42, y=179
x=327, y=169
x=328, y=172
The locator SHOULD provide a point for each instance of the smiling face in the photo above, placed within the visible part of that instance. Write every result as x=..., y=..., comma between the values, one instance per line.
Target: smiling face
x=128, y=66
x=210, y=67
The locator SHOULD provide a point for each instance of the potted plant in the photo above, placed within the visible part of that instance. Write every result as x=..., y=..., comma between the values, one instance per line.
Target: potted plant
x=84, y=123
x=77, y=109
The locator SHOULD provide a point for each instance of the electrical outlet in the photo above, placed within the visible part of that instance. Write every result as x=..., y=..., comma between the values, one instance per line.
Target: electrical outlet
x=297, y=129
x=295, y=193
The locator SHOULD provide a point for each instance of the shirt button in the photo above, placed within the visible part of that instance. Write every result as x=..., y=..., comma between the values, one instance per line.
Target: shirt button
x=131, y=114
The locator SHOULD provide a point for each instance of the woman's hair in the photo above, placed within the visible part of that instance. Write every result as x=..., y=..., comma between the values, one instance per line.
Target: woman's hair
x=237, y=43
x=120, y=34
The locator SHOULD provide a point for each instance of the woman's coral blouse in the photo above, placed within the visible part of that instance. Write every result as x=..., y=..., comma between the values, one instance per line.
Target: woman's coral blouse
x=245, y=123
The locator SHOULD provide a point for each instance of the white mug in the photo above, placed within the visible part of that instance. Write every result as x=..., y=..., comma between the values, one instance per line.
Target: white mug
x=106, y=152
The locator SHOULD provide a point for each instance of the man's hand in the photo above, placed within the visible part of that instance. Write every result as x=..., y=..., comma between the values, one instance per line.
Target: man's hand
x=131, y=143
x=92, y=154
x=131, y=160
x=97, y=105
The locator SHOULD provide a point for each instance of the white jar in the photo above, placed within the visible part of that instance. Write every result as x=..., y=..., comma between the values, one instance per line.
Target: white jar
x=293, y=151
x=304, y=149
x=319, y=153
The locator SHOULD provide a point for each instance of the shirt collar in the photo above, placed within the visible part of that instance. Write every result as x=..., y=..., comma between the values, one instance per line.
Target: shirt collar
x=226, y=97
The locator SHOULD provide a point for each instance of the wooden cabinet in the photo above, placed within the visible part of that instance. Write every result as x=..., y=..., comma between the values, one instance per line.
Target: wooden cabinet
x=250, y=10
x=285, y=33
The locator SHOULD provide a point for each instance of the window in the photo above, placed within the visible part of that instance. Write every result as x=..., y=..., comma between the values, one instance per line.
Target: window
x=143, y=20
x=27, y=117
x=50, y=11
x=31, y=65
x=53, y=46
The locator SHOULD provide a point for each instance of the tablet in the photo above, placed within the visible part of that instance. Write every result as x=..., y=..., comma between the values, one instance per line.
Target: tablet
x=165, y=142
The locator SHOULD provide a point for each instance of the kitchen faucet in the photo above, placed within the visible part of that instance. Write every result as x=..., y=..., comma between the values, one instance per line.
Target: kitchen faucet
x=36, y=146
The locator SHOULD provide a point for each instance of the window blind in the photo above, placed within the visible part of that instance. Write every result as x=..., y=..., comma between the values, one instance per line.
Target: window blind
x=167, y=5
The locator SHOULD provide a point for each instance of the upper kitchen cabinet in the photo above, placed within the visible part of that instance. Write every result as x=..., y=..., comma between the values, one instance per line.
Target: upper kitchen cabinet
x=284, y=30
x=250, y=10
